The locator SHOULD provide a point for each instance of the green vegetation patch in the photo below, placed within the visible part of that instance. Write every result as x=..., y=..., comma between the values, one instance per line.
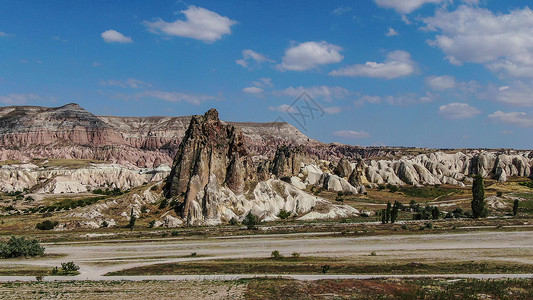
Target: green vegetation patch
x=20, y=246
x=390, y=289
x=426, y=192
x=528, y=184
x=314, y=265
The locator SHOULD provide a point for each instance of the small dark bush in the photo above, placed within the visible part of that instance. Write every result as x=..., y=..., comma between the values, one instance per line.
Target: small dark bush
x=151, y=224
x=46, y=225
x=276, y=255
x=251, y=221
x=163, y=204
x=175, y=233
x=233, y=221
x=325, y=269
x=283, y=214
x=69, y=267
x=104, y=224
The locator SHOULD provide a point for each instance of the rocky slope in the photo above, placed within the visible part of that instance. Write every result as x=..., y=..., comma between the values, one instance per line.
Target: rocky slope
x=70, y=131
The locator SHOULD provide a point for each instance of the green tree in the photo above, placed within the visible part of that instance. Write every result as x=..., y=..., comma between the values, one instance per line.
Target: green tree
x=515, y=207
x=17, y=247
x=394, y=212
x=251, y=221
x=479, y=209
x=388, y=212
x=132, y=220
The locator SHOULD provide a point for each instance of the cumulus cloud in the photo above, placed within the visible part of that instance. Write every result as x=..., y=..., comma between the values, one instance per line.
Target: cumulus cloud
x=397, y=64
x=3, y=34
x=332, y=110
x=253, y=90
x=309, y=55
x=520, y=119
x=112, y=36
x=17, y=99
x=264, y=82
x=441, y=83
x=249, y=56
x=200, y=24
x=196, y=99
x=391, y=32
x=283, y=108
x=516, y=94
x=402, y=99
x=130, y=82
x=458, y=111
x=405, y=6
x=501, y=41
x=352, y=134
x=341, y=10
x=327, y=92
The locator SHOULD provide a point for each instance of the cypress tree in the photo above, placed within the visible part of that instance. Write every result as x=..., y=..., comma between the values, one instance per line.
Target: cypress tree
x=388, y=212
x=515, y=207
x=479, y=209
x=394, y=212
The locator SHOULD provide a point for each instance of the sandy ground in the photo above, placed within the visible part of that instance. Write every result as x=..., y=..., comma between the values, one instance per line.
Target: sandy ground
x=97, y=258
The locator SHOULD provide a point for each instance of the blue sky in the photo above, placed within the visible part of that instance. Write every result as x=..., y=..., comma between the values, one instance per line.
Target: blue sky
x=426, y=73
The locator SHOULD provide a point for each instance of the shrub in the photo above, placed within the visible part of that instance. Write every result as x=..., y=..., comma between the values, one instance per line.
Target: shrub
x=276, y=255
x=251, y=221
x=46, y=225
x=283, y=214
x=54, y=271
x=404, y=227
x=194, y=254
x=429, y=225
x=175, y=233
x=144, y=209
x=39, y=278
x=233, y=221
x=17, y=247
x=151, y=224
x=325, y=269
x=163, y=204
x=373, y=253
x=104, y=224
x=392, y=188
x=499, y=194
x=69, y=267
x=153, y=188
x=295, y=255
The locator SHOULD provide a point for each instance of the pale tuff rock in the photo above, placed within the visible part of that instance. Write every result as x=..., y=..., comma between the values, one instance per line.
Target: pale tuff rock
x=64, y=180
x=212, y=169
x=343, y=168
x=442, y=168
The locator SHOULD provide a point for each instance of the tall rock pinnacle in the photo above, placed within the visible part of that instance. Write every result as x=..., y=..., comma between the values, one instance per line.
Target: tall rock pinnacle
x=212, y=153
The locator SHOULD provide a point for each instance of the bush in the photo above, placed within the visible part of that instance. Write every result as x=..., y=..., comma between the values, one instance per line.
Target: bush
x=325, y=269
x=151, y=224
x=392, y=188
x=194, y=254
x=144, y=209
x=499, y=194
x=295, y=255
x=175, y=233
x=373, y=253
x=276, y=255
x=153, y=188
x=251, y=221
x=104, y=224
x=233, y=221
x=429, y=225
x=46, y=225
x=69, y=267
x=163, y=204
x=17, y=247
x=283, y=214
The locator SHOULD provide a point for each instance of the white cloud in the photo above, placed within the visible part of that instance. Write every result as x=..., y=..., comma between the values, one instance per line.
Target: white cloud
x=397, y=64
x=18, y=99
x=200, y=24
x=391, y=32
x=405, y=6
x=458, y=111
x=3, y=34
x=441, y=83
x=501, y=41
x=250, y=55
x=130, y=82
x=263, y=82
x=341, y=10
x=517, y=94
x=96, y=64
x=327, y=92
x=112, y=36
x=520, y=119
x=310, y=55
x=332, y=110
x=253, y=90
x=177, y=96
x=402, y=99
x=352, y=134
x=283, y=108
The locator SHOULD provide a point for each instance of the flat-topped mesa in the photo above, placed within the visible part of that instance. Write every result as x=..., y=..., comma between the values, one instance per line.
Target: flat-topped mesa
x=211, y=152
